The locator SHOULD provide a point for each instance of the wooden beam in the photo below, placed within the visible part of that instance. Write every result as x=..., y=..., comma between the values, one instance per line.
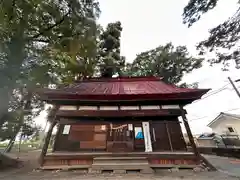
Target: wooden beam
x=53, y=122
x=118, y=113
x=117, y=102
x=189, y=133
x=169, y=137
x=90, y=155
x=56, y=137
x=46, y=143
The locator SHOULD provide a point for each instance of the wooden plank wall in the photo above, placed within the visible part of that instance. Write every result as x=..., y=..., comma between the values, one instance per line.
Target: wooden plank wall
x=176, y=135
x=168, y=136
x=63, y=143
x=82, y=137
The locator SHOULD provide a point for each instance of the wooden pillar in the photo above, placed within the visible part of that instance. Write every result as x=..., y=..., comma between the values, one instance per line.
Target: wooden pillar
x=189, y=133
x=169, y=136
x=56, y=137
x=147, y=137
x=46, y=143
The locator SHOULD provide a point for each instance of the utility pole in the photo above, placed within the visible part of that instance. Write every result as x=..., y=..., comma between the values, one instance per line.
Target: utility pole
x=234, y=87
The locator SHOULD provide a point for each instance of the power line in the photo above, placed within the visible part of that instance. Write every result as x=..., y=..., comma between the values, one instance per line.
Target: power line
x=212, y=93
x=212, y=78
x=215, y=92
x=214, y=113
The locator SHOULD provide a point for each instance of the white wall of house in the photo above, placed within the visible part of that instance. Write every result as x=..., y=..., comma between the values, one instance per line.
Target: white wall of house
x=224, y=124
x=206, y=142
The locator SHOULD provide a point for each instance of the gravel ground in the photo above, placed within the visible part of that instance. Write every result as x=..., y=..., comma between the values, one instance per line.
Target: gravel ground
x=75, y=175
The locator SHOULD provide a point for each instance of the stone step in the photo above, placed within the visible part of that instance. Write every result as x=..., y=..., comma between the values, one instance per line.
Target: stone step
x=121, y=171
x=122, y=167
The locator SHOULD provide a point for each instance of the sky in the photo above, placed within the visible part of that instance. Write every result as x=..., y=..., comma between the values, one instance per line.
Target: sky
x=148, y=24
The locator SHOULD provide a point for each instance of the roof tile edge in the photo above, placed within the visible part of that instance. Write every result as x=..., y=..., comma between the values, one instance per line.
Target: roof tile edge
x=118, y=79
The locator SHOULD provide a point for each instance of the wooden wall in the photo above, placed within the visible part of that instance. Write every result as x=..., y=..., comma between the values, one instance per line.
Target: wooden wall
x=168, y=136
x=62, y=142
x=165, y=135
x=82, y=137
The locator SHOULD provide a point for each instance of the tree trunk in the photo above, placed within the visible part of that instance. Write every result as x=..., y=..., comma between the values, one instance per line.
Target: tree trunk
x=12, y=141
x=11, y=72
x=4, y=99
x=10, y=145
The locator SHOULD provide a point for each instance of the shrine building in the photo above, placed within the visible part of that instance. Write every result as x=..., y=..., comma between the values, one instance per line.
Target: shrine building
x=103, y=122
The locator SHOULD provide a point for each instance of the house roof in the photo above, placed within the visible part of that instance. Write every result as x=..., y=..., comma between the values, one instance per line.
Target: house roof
x=222, y=114
x=124, y=88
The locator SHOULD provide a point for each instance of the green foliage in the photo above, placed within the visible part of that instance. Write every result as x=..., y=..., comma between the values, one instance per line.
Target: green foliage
x=42, y=42
x=167, y=61
x=196, y=8
x=110, y=61
x=223, y=39
x=16, y=125
x=24, y=107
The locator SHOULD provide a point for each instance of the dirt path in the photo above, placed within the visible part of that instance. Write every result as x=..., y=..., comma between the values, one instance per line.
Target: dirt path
x=28, y=163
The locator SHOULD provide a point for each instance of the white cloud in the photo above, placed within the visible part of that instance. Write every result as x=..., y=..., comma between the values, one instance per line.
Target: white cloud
x=147, y=24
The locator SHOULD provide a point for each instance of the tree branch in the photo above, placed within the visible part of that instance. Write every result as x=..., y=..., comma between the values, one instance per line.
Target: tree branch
x=49, y=28
x=41, y=40
x=13, y=6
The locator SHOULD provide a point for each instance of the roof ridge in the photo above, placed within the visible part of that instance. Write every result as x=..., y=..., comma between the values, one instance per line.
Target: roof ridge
x=221, y=114
x=229, y=114
x=119, y=79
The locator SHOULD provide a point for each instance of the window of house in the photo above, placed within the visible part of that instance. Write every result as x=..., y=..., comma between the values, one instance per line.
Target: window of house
x=230, y=129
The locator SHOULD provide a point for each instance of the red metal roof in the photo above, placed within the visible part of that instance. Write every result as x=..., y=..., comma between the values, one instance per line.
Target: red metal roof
x=122, y=89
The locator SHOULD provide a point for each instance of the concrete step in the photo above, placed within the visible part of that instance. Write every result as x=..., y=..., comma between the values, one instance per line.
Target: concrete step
x=122, y=168
x=118, y=158
x=121, y=171
x=119, y=166
x=117, y=161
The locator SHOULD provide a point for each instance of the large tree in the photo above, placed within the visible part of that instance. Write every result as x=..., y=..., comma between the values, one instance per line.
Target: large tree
x=23, y=107
x=110, y=61
x=166, y=61
x=41, y=39
x=223, y=39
